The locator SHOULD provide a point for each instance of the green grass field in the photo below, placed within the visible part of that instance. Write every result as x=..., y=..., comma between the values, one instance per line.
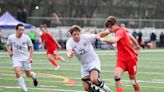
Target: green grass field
x=67, y=78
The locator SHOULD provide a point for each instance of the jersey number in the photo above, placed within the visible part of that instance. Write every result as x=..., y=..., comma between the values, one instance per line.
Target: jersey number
x=82, y=51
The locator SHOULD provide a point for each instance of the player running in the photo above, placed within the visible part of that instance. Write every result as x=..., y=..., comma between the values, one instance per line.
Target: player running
x=126, y=55
x=81, y=47
x=17, y=47
x=51, y=45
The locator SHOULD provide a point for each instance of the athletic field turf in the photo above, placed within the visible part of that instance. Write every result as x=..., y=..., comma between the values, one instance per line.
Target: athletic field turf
x=67, y=78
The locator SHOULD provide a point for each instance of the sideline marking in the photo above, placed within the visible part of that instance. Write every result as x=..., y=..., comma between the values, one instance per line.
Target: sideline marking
x=66, y=80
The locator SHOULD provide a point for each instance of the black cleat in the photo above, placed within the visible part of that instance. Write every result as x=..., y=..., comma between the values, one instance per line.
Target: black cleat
x=35, y=82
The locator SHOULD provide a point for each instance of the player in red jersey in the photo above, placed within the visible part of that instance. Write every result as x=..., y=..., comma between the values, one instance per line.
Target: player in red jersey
x=126, y=54
x=51, y=45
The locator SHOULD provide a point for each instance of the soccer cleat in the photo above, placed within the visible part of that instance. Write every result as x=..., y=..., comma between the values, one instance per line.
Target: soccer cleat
x=35, y=82
x=106, y=89
x=56, y=68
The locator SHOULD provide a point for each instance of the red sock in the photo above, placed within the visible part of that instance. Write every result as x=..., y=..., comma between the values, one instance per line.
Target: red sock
x=119, y=89
x=137, y=91
x=53, y=62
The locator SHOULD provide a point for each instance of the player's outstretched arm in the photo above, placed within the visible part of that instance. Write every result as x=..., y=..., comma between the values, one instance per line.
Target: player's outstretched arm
x=70, y=53
x=31, y=51
x=102, y=34
x=112, y=40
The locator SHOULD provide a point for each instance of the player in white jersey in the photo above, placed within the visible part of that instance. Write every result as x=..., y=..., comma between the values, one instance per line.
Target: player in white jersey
x=17, y=47
x=81, y=47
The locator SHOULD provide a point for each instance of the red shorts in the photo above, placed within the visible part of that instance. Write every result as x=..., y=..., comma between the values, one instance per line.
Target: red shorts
x=128, y=65
x=51, y=51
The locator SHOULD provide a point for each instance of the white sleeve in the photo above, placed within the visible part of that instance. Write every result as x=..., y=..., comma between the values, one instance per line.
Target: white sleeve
x=90, y=37
x=9, y=42
x=29, y=42
x=68, y=44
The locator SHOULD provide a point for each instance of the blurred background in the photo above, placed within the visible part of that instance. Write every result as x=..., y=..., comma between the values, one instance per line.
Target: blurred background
x=143, y=18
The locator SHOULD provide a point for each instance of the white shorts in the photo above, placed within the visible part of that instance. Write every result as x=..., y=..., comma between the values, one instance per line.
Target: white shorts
x=26, y=65
x=86, y=69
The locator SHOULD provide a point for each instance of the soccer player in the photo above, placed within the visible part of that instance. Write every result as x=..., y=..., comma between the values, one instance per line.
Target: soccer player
x=17, y=47
x=51, y=45
x=126, y=54
x=81, y=47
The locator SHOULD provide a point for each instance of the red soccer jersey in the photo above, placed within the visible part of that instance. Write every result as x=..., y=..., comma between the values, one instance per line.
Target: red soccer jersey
x=47, y=38
x=125, y=50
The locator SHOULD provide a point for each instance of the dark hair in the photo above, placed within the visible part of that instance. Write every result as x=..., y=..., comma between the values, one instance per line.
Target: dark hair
x=43, y=26
x=17, y=26
x=74, y=28
x=110, y=21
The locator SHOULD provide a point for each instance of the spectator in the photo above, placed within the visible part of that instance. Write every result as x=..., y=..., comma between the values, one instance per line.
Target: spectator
x=135, y=34
x=55, y=20
x=140, y=40
x=161, y=38
x=32, y=36
x=153, y=39
x=24, y=15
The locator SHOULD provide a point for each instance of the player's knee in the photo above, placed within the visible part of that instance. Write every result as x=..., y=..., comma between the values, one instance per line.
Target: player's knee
x=133, y=82
x=18, y=72
x=117, y=77
x=28, y=74
x=94, y=80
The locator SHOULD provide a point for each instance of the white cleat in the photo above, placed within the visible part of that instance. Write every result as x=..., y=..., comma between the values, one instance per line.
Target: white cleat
x=56, y=68
x=106, y=89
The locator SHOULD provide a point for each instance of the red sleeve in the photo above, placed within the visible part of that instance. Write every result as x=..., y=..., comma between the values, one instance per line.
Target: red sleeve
x=119, y=34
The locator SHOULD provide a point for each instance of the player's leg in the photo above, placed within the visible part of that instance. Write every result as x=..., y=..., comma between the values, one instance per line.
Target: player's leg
x=94, y=78
x=117, y=75
x=134, y=83
x=17, y=69
x=132, y=70
x=52, y=61
x=27, y=69
x=57, y=56
x=86, y=83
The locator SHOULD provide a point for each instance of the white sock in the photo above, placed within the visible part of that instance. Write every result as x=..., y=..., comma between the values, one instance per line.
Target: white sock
x=21, y=83
x=33, y=75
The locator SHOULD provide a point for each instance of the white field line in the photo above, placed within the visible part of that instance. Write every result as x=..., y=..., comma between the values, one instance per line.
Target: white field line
x=37, y=88
x=110, y=80
x=76, y=69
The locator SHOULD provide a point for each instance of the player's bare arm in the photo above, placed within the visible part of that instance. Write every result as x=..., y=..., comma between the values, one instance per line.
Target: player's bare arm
x=70, y=53
x=8, y=48
x=41, y=43
x=56, y=42
x=31, y=51
x=102, y=34
x=137, y=47
x=113, y=40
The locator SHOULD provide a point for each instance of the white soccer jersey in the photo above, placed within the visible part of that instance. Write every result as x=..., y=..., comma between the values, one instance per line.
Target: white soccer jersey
x=83, y=49
x=19, y=47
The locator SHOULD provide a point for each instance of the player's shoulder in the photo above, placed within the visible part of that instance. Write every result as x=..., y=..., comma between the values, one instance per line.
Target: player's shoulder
x=70, y=39
x=25, y=36
x=12, y=36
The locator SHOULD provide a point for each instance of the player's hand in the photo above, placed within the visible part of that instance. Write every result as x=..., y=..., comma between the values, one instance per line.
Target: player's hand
x=11, y=54
x=59, y=46
x=30, y=60
x=40, y=46
x=71, y=54
x=137, y=49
